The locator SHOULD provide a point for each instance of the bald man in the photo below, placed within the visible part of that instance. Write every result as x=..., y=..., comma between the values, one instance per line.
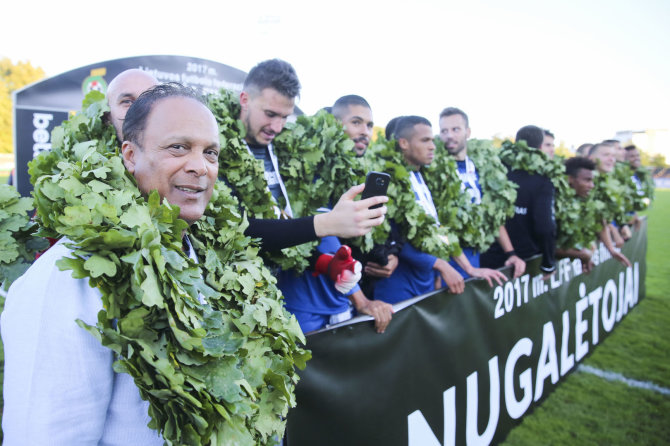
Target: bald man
x=122, y=91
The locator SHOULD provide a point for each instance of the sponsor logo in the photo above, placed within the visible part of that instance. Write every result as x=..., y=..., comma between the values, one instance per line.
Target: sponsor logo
x=41, y=133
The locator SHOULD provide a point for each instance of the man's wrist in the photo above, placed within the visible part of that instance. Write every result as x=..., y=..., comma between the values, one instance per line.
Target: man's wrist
x=509, y=254
x=321, y=222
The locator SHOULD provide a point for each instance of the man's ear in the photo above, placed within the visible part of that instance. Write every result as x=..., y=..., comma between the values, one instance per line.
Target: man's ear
x=467, y=133
x=244, y=100
x=404, y=144
x=128, y=154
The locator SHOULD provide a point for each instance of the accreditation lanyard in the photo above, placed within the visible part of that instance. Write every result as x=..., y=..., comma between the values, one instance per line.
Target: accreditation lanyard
x=423, y=195
x=469, y=181
x=638, y=185
x=287, y=210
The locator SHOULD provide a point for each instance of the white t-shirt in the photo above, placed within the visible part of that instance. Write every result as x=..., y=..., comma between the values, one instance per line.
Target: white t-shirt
x=59, y=386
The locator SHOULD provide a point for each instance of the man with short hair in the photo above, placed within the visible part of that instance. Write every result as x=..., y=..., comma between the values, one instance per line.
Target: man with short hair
x=603, y=154
x=580, y=178
x=548, y=143
x=583, y=150
x=532, y=229
x=267, y=100
x=580, y=175
x=60, y=386
x=454, y=133
x=355, y=114
x=416, y=271
x=619, y=152
x=632, y=156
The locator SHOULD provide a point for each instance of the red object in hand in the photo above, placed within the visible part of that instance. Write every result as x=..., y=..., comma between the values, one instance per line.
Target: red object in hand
x=341, y=268
x=334, y=265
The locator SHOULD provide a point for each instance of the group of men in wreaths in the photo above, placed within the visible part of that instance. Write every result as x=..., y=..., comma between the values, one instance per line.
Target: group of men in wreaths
x=178, y=157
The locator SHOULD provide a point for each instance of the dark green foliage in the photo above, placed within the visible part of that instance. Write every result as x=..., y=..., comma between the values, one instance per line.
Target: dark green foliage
x=18, y=243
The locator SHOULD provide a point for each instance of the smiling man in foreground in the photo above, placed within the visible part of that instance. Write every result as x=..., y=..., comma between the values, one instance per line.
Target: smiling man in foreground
x=123, y=348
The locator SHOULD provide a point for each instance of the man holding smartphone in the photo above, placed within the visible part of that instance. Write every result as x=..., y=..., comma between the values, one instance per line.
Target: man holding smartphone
x=267, y=100
x=355, y=114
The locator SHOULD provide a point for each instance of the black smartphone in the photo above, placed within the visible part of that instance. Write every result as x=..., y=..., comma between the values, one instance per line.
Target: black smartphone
x=376, y=183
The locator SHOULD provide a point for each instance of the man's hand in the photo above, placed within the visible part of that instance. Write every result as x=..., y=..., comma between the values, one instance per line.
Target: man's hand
x=380, y=311
x=452, y=278
x=618, y=256
x=626, y=233
x=489, y=275
x=351, y=218
x=518, y=265
x=586, y=257
x=616, y=237
x=376, y=270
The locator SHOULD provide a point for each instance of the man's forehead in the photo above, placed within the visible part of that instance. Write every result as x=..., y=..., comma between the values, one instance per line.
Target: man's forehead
x=585, y=173
x=604, y=150
x=455, y=120
x=130, y=84
x=179, y=113
x=422, y=130
x=358, y=110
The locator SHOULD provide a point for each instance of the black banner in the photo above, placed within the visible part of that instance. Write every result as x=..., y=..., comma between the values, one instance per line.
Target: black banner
x=461, y=369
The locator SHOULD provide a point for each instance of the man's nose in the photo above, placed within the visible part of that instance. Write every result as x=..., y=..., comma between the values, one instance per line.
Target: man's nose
x=367, y=131
x=196, y=163
x=277, y=124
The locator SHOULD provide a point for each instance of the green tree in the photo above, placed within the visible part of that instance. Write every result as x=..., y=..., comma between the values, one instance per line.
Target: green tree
x=657, y=160
x=563, y=150
x=12, y=77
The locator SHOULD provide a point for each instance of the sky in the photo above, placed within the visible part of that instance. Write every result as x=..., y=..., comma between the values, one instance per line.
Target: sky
x=582, y=69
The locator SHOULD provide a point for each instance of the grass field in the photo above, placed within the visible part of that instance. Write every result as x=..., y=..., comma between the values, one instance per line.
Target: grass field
x=589, y=410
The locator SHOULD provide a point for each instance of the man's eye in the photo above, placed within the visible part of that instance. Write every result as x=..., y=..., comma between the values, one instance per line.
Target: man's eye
x=178, y=147
x=212, y=155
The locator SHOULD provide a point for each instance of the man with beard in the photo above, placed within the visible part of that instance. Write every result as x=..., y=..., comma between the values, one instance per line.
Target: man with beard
x=355, y=114
x=454, y=133
x=267, y=100
x=417, y=270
